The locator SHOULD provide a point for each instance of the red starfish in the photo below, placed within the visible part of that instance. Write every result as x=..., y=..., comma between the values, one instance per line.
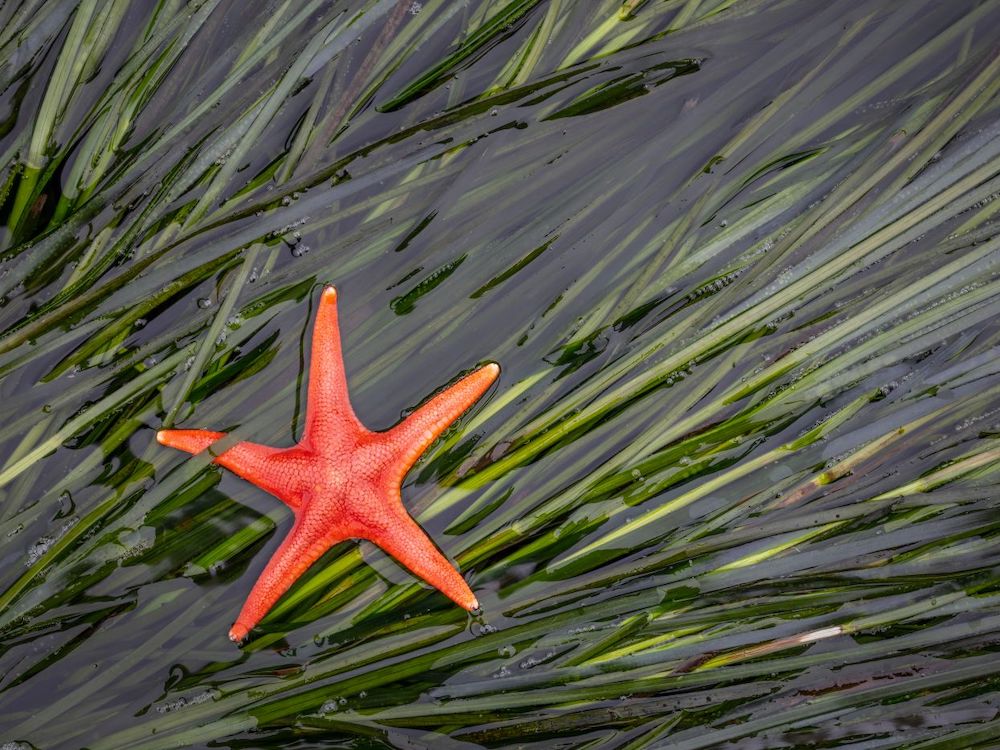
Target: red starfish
x=341, y=480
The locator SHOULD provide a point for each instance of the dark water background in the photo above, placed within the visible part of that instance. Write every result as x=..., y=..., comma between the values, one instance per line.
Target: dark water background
x=585, y=226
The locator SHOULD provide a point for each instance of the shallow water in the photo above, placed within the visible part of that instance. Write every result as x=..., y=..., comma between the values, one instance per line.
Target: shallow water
x=736, y=485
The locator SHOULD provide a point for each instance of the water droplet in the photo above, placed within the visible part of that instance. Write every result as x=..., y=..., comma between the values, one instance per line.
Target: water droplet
x=38, y=549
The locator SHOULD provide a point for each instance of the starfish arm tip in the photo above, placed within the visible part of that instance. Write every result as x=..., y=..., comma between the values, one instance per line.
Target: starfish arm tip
x=238, y=633
x=161, y=437
x=493, y=369
x=329, y=294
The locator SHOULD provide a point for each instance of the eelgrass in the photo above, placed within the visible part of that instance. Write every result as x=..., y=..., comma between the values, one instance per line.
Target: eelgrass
x=739, y=261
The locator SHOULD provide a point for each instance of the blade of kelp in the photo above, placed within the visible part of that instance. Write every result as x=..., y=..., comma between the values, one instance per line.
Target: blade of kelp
x=36, y=13
x=818, y=709
x=564, y=492
x=823, y=211
x=672, y=429
x=526, y=61
x=245, y=314
x=643, y=521
x=105, y=137
x=823, y=706
x=212, y=335
x=595, y=273
x=841, y=549
x=832, y=515
x=310, y=142
x=521, y=699
x=686, y=628
x=326, y=45
x=334, y=666
x=72, y=60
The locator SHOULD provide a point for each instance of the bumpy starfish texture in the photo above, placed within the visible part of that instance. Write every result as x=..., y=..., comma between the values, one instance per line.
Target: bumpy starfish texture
x=342, y=481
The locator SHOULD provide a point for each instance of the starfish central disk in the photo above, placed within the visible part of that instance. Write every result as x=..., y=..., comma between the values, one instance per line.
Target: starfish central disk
x=342, y=481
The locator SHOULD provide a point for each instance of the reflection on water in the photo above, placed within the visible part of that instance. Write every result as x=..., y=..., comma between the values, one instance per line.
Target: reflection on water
x=736, y=486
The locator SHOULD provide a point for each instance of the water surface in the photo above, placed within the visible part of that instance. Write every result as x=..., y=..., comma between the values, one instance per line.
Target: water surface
x=736, y=486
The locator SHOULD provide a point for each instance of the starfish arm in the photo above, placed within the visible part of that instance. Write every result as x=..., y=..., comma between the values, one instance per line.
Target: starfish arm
x=303, y=546
x=262, y=465
x=411, y=437
x=329, y=416
x=405, y=541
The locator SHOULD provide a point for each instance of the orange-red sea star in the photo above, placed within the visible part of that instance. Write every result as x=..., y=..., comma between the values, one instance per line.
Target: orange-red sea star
x=341, y=480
